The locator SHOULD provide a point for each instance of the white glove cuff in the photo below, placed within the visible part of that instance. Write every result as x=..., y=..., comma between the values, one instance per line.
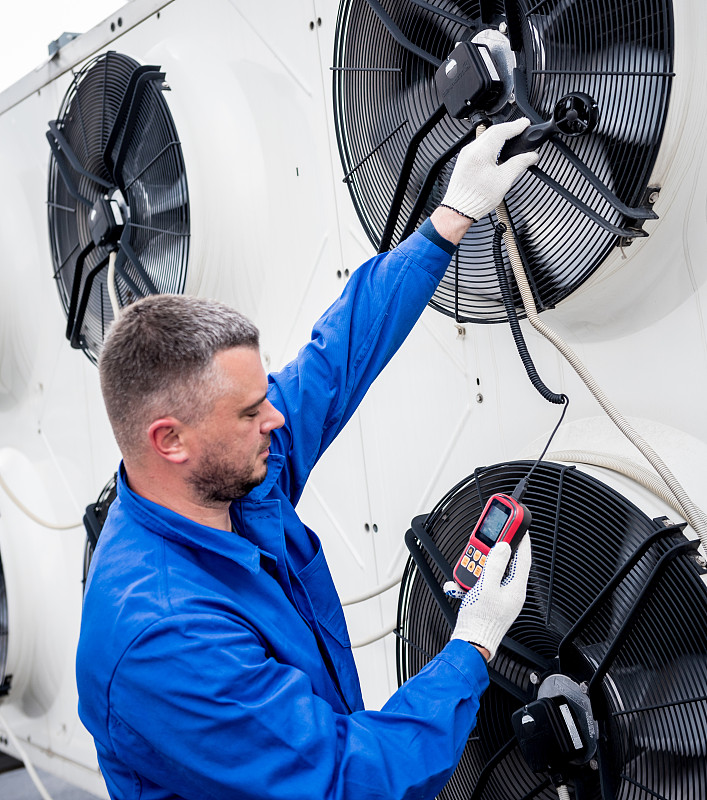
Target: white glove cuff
x=487, y=635
x=461, y=213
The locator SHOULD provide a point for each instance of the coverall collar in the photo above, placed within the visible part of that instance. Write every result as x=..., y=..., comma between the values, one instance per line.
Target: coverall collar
x=177, y=528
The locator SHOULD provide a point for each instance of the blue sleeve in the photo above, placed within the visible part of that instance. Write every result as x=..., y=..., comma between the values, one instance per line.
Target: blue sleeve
x=351, y=343
x=428, y=230
x=228, y=721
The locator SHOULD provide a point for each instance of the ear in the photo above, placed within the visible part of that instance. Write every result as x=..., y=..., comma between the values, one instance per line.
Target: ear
x=166, y=436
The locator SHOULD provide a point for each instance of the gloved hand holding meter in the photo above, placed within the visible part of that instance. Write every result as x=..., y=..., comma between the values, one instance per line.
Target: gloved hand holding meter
x=493, y=569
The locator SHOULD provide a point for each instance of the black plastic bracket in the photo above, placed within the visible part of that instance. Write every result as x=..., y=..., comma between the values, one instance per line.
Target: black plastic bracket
x=416, y=538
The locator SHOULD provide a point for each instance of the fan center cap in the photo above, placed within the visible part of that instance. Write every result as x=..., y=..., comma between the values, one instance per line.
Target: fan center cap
x=504, y=60
x=558, y=729
x=106, y=220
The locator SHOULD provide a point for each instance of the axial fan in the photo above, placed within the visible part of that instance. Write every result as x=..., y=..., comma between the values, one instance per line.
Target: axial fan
x=405, y=104
x=94, y=519
x=117, y=183
x=600, y=681
x=4, y=678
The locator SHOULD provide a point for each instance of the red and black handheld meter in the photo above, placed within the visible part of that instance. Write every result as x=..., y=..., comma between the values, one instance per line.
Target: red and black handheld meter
x=503, y=519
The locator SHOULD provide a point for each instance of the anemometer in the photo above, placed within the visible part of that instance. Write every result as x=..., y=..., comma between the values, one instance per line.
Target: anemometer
x=504, y=519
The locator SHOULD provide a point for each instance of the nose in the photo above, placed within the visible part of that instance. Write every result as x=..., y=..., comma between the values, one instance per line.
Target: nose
x=272, y=419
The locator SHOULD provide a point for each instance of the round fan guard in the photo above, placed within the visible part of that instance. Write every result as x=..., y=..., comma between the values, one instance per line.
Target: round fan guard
x=94, y=519
x=4, y=678
x=117, y=182
x=615, y=601
x=620, y=54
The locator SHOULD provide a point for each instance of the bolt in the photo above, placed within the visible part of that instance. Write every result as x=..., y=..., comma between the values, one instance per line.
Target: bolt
x=534, y=678
x=503, y=28
x=461, y=331
x=652, y=197
x=701, y=561
x=594, y=764
x=479, y=398
x=512, y=97
x=584, y=687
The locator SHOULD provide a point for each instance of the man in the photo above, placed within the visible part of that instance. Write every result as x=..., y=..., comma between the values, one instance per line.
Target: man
x=214, y=660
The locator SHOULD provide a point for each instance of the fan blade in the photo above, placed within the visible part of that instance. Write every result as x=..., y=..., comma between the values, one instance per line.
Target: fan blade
x=149, y=199
x=630, y=213
x=398, y=35
x=620, y=575
x=606, y=69
x=72, y=157
x=440, y=12
x=487, y=773
x=161, y=199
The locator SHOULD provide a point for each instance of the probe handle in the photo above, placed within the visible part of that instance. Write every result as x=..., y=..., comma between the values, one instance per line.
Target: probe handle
x=575, y=114
x=531, y=138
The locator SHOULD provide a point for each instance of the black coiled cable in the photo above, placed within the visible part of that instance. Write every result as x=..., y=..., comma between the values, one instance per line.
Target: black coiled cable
x=535, y=379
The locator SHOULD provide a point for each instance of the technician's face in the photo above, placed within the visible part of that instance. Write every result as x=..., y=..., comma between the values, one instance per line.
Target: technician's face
x=232, y=442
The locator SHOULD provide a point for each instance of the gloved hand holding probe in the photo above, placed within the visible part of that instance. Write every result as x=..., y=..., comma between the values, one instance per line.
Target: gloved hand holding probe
x=478, y=182
x=489, y=609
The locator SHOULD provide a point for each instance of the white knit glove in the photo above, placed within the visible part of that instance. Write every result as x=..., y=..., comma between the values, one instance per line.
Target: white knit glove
x=478, y=183
x=489, y=609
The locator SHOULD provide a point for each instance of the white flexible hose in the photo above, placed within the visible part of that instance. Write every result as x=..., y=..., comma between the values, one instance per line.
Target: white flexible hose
x=31, y=771
x=27, y=512
x=624, y=466
x=374, y=637
x=112, y=294
x=563, y=792
x=373, y=592
x=692, y=513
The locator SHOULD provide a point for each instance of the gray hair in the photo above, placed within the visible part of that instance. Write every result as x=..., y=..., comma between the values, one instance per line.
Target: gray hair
x=158, y=360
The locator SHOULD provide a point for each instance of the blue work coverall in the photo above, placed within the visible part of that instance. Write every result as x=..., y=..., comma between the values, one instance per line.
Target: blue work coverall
x=216, y=665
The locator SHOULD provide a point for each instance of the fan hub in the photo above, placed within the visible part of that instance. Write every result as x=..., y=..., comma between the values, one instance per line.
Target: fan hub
x=106, y=220
x=504, y=61
x=477, y=75
x=558, y=729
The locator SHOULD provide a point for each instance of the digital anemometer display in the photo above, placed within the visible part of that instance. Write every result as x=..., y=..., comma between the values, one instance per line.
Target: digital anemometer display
x=503, y=519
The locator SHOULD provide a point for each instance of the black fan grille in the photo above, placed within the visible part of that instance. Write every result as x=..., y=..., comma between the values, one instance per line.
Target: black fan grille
x=3, y=632
x=94, y=520
x=618, y=53
x=649, y=697
x=137, y=152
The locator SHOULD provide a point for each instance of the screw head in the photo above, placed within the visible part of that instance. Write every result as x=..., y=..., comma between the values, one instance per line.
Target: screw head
x=594, y=764
x=534, y=678
x=503, y=28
